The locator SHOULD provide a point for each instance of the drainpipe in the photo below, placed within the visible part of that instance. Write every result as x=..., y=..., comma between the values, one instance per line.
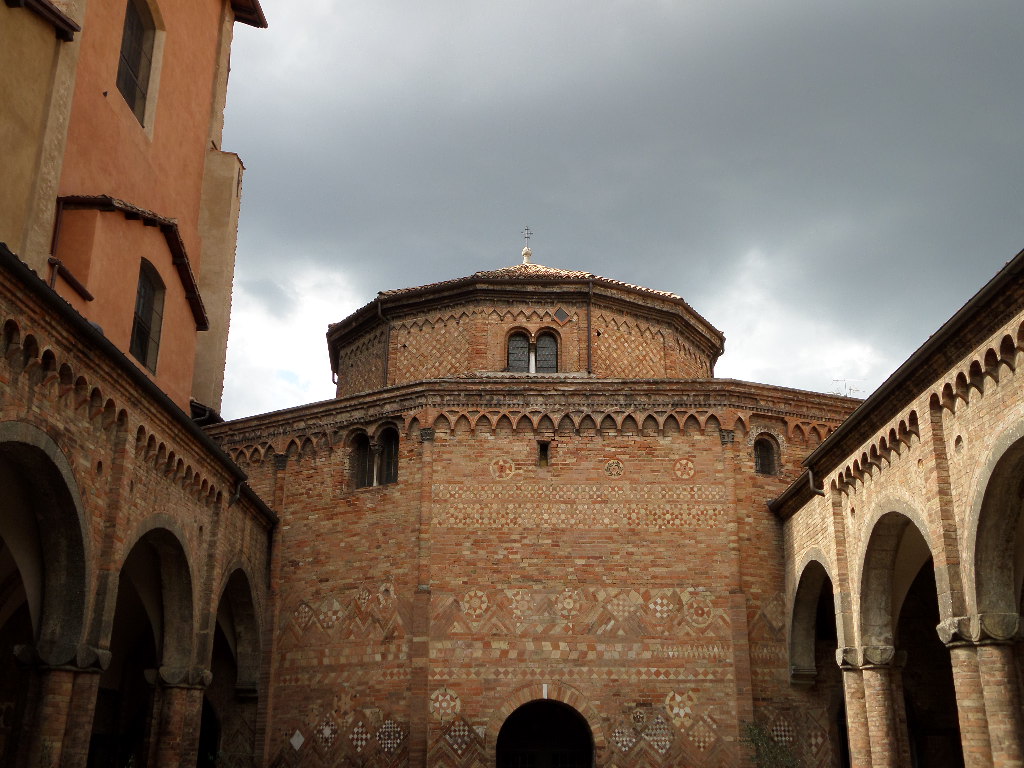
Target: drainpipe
x=810, y=479
x=238, y=492
x=58, y=220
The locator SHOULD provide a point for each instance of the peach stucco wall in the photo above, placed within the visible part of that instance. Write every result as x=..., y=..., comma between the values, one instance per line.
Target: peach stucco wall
x=158, y=166
x=114, y=248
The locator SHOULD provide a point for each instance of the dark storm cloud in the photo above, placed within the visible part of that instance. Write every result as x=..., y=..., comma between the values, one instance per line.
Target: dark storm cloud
x=869, y=153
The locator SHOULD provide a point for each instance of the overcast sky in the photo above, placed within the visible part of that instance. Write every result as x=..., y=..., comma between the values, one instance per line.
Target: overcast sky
x=826, y=182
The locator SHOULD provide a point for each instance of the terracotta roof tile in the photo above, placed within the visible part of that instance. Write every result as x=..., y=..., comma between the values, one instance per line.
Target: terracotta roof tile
x=529, y=272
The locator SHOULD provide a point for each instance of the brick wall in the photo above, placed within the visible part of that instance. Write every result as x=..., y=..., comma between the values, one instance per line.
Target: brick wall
x=123, y=463
x=465, y=335
x=638, y=573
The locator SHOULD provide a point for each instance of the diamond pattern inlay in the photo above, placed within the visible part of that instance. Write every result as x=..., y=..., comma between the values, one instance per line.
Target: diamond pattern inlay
x=326, y=732
x=624, y=738
x=389, y=736
x=659, y=734
x=702, y=735
x=360, y=737
x=459, y=736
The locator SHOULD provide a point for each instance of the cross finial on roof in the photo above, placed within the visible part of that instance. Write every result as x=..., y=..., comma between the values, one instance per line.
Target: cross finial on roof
x=527, y=253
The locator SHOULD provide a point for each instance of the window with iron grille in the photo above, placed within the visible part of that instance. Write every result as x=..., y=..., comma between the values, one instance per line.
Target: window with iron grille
x=136, y=59
x=547, y=353
x=149, y=315
x=519, y=353
x=765, y=457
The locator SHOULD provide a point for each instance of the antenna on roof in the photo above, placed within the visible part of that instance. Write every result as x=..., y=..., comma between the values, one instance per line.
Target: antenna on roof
x=527, y=253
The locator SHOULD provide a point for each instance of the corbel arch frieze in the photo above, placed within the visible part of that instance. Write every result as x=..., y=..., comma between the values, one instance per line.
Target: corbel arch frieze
x=645, y=421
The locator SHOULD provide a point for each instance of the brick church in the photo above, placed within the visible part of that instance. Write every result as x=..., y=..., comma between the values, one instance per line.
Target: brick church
x=531, y=529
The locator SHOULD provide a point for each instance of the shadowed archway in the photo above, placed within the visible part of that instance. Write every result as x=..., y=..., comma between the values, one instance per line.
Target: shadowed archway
x=42, y=574
x=814, y=639
x=545, y=734
x=151, y=638
x=900, y=608
x=228, y=732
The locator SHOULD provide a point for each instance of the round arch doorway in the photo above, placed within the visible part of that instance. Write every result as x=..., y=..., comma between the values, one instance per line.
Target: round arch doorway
x=545, y=734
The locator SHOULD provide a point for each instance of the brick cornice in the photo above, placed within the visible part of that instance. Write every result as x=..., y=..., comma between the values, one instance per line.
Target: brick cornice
x=557, y=394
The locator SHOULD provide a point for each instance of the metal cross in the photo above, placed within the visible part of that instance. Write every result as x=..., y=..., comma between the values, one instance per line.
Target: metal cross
x=527, y=234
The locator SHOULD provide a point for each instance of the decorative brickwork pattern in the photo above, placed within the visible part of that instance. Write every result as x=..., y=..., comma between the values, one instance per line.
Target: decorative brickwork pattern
x=362, y=366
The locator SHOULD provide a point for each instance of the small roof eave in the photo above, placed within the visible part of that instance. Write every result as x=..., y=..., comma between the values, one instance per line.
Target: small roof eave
x=249, y=12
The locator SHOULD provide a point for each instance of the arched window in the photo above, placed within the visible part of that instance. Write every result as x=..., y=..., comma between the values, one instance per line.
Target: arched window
x=766, y=460
x=362, y=461
x=547, y=353
x=149, y=316
x=388, y=460
x=136, y=61
x=518, y=353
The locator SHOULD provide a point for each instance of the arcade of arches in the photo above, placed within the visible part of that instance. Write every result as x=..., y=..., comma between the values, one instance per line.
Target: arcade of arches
x=908, y=566
x=131, y=575
x=508, y=570
x=133, y=697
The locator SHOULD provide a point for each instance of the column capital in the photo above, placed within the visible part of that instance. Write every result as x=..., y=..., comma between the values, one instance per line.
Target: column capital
x=179, y=677
x=85, y=658
x=979, y=629
x=869, y=656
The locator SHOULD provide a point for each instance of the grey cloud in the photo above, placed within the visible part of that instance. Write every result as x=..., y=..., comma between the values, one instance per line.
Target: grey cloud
x=869, y=149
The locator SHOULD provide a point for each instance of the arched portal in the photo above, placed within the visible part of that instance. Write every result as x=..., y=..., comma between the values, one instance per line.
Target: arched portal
x=998, y=568
x=929, y=695
x=152, y=630
x=42, y=573
x=545, y=734
x=814, y=638
x=229, y=704
x=900, y=608
x=999, y=543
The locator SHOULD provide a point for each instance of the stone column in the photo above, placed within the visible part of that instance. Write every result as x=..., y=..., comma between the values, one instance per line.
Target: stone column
x=856, y=711
x=90, y=663
x=998, y=672
x=970, y=703
x=376, y=449
x=991, y=723
x=877, y=670
x=180, y=715
x=50, y=719
x=64, y=706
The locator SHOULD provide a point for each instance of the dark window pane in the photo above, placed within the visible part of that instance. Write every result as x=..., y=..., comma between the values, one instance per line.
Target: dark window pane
x=547, y=354
x=136, y=57
x=519, y=353
x=362, y=462
x=388, y=457
x=764, y=457
x=149, y=311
